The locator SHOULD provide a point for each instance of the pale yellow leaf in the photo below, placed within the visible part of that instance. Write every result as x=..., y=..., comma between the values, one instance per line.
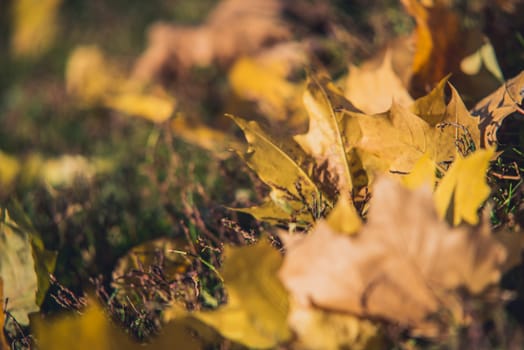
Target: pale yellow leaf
x=373, y=88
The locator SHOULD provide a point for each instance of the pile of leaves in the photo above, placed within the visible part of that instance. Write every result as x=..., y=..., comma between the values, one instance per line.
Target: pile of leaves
x=284, y=184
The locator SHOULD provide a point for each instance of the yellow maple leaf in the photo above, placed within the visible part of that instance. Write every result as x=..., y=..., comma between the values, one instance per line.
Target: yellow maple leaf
x=325, y=139
x=24, y=264
x=285, y=167
x=256, y=312
x=464, y=188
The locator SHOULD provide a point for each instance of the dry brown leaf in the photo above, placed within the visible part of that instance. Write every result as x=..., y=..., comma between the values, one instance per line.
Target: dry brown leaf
x=372, y=87
x=403, y=266
x=437, y=42
x=496, y=107
x=344, y=217
x=318, y=329
x=234, y=28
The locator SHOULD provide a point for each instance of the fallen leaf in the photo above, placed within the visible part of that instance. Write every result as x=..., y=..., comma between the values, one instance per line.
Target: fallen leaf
x=89, y=76
x=495, y=108
x=325, y=139
x=270, y=211
x=398, y=138
x=423, y=173
x=514, y=244
x=453, y=118
x=437, y=42
x=464, y=189
x=62, y=171
x=95, y=81
x=256, y=311
x=344, y=217
x=154, y=108
x=373, y=87
x=217, y=142
x=442, y=41
x=172, y=47
x=24, y=266
x=328, y=330
x=3, y=341
x=93, y=329
x=285, y=167
x=9, y=171
x=263, y=79
x=404, y=265
x=35, y=23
